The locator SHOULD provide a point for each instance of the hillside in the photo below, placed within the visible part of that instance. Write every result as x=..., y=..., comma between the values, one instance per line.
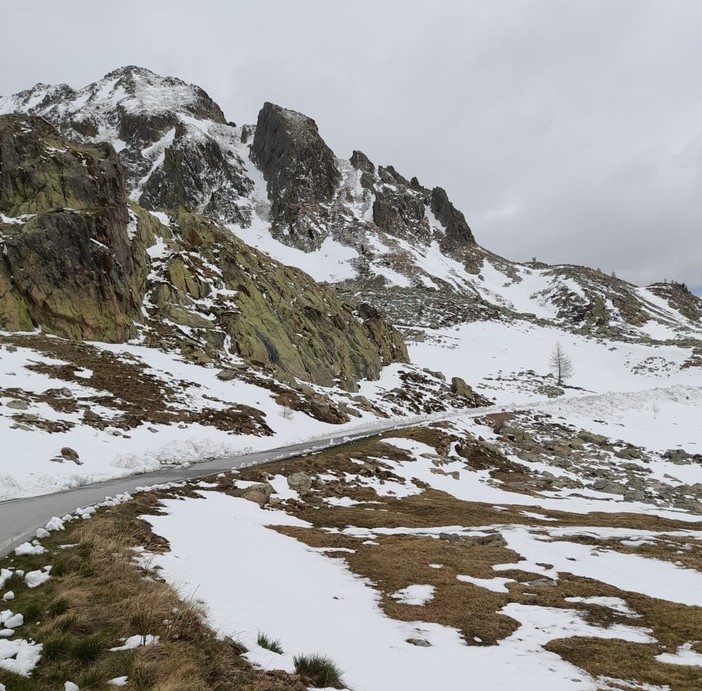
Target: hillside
x=175, y=287
x=366, y=227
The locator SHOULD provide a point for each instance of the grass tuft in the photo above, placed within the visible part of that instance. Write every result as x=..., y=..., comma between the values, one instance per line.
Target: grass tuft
x=88, y=649
x=56, y=648
x=57, y=607
x=269, y=643
x=14, y=582
x=319, y=671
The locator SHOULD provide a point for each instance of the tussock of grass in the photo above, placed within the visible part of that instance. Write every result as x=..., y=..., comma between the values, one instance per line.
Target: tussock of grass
x=269, y=643
x=57, y=607
x=319, y=671
x=87, y=650
x=15, y=582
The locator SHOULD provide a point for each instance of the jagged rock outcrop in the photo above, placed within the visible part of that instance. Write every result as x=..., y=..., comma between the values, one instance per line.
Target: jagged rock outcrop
x=458, y=233
x=76, y=255
x=197, y=174
x=300, y=170
x=67, y=263
x=173, y=141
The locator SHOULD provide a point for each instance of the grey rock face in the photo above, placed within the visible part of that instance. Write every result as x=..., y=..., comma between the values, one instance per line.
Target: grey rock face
x=68, y=265
x=197, y=175
x=299, y=168
x=458, y=233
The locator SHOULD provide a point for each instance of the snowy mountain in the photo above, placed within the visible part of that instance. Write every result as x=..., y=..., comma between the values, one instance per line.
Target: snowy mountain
x=176, y=288
x=381, y=237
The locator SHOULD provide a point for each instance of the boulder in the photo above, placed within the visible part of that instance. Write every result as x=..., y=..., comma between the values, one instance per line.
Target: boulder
x=592, y=438
x=68, y=267
x=259, y=493
x=300, y=482
x=460, y=388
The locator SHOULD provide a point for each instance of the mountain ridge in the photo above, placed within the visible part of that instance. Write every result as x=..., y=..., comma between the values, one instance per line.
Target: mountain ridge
x=278, y=185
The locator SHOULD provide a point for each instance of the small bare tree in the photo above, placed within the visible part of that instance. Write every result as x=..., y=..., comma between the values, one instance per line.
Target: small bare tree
x=561, y=365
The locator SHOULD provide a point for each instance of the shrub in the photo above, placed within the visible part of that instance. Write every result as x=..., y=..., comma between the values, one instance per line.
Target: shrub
x=319, y=671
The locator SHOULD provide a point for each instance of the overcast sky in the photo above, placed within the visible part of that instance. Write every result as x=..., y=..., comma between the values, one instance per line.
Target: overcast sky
x=569, y=131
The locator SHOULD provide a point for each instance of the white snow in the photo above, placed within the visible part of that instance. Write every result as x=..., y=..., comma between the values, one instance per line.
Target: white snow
x=652, y=577
x=27, y=548
x=497, y=584
x=418, y=594
x=137, y=641
x=19, y=656
x=34, y=579
x=683, y=656
x=331, y=262
x=615, y=603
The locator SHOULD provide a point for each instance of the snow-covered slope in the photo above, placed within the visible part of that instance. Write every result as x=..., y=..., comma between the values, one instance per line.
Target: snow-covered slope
x=550, y=543
x=382, y=238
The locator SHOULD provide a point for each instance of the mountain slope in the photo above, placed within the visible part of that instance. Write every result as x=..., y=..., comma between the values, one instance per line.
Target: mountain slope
x=80, y=262
x=384, y=239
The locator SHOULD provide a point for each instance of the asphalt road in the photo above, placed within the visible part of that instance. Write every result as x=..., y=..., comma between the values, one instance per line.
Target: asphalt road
x=20, y=518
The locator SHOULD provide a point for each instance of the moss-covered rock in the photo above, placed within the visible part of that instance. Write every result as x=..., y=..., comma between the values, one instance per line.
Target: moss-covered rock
x=78, y=260
x=272, y=315
x=67, y=257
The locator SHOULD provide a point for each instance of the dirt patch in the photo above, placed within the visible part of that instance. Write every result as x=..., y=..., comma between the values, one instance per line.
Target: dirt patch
x=125, y=385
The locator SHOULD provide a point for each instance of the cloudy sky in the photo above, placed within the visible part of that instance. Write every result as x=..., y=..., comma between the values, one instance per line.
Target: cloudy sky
x=570, y=131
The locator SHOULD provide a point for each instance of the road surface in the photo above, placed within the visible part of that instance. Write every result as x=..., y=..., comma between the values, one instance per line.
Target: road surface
x=20, y=518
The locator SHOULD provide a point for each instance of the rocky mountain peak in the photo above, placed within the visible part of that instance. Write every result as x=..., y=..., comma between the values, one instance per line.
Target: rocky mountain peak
x=300, y=170
x=458, y=233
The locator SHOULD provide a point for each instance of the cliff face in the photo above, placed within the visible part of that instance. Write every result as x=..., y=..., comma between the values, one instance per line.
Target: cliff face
x=67, y=264
x=299, y=168
x=80, y=260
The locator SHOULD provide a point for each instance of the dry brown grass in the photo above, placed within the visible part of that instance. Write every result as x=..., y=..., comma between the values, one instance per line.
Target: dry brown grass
x=628, y=661
x=107, y=595
x=397, y=561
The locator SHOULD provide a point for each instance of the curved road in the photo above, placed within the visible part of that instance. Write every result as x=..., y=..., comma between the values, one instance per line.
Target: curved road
x=20, y=518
